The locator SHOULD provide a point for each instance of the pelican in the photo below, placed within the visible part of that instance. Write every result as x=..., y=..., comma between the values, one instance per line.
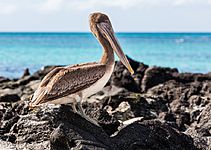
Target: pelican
x=73, y=84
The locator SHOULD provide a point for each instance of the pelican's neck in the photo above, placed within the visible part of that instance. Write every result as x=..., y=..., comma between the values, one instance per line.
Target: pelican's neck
x=108, y=54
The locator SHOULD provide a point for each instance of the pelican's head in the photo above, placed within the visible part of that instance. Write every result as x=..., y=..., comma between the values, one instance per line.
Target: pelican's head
x=101, y=27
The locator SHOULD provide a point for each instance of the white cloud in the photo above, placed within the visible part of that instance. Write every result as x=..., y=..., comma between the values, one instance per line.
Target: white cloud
x=66, y=15
x=54, y=6
x=185, y=2
x=122, y=4
x=51, y=5
x=193, y=2
x=7, y=8
x=128, y=4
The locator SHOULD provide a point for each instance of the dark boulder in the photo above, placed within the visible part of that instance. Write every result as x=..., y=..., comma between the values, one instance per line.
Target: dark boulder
x=26, y=73
x=152, y=135
x=121, y=77
x=156, y=75
x=9, y=98
x=3, y=79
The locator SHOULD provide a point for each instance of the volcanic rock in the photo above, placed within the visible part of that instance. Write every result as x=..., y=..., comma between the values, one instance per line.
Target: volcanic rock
x=156, y=108
x=52, y=127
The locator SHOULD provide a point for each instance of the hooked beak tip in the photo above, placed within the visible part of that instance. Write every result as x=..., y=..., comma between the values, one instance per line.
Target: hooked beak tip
x=131, y=71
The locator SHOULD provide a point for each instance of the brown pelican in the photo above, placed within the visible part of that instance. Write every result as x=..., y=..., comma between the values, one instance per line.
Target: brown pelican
x=72, y=84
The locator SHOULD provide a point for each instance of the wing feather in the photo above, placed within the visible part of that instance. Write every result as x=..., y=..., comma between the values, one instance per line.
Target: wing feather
x=47, y=78
x=63, y=81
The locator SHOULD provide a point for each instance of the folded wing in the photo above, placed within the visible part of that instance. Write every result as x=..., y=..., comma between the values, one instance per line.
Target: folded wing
x=63, y=81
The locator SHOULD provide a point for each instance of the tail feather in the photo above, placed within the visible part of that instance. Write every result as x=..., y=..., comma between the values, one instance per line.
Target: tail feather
x=38, y=97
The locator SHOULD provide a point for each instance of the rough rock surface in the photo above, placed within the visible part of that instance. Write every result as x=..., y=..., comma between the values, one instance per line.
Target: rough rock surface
x=53, y=127
x=156, y=108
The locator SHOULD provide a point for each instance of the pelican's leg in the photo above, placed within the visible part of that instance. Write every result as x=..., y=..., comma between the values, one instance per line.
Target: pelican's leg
x=79, y=105
x=74, y=108
x=81, y=110
x=72, y=103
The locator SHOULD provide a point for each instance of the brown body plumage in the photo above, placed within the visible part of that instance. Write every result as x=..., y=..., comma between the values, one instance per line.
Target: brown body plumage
x=72, y=84
x=63, y=81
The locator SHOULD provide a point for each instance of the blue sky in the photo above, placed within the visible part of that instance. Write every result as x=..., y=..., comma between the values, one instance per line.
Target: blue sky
x=126, y=15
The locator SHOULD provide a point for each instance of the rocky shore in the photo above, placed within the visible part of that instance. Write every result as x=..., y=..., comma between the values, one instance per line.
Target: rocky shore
x=156, y=108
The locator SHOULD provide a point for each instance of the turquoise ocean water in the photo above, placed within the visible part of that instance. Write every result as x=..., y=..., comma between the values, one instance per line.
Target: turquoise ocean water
x=189, y=52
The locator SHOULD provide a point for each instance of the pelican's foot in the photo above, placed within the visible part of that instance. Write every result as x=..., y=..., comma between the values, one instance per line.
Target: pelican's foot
x=80, y=112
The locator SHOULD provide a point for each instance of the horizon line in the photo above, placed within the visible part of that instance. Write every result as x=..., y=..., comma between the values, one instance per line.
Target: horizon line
x=148, y=32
